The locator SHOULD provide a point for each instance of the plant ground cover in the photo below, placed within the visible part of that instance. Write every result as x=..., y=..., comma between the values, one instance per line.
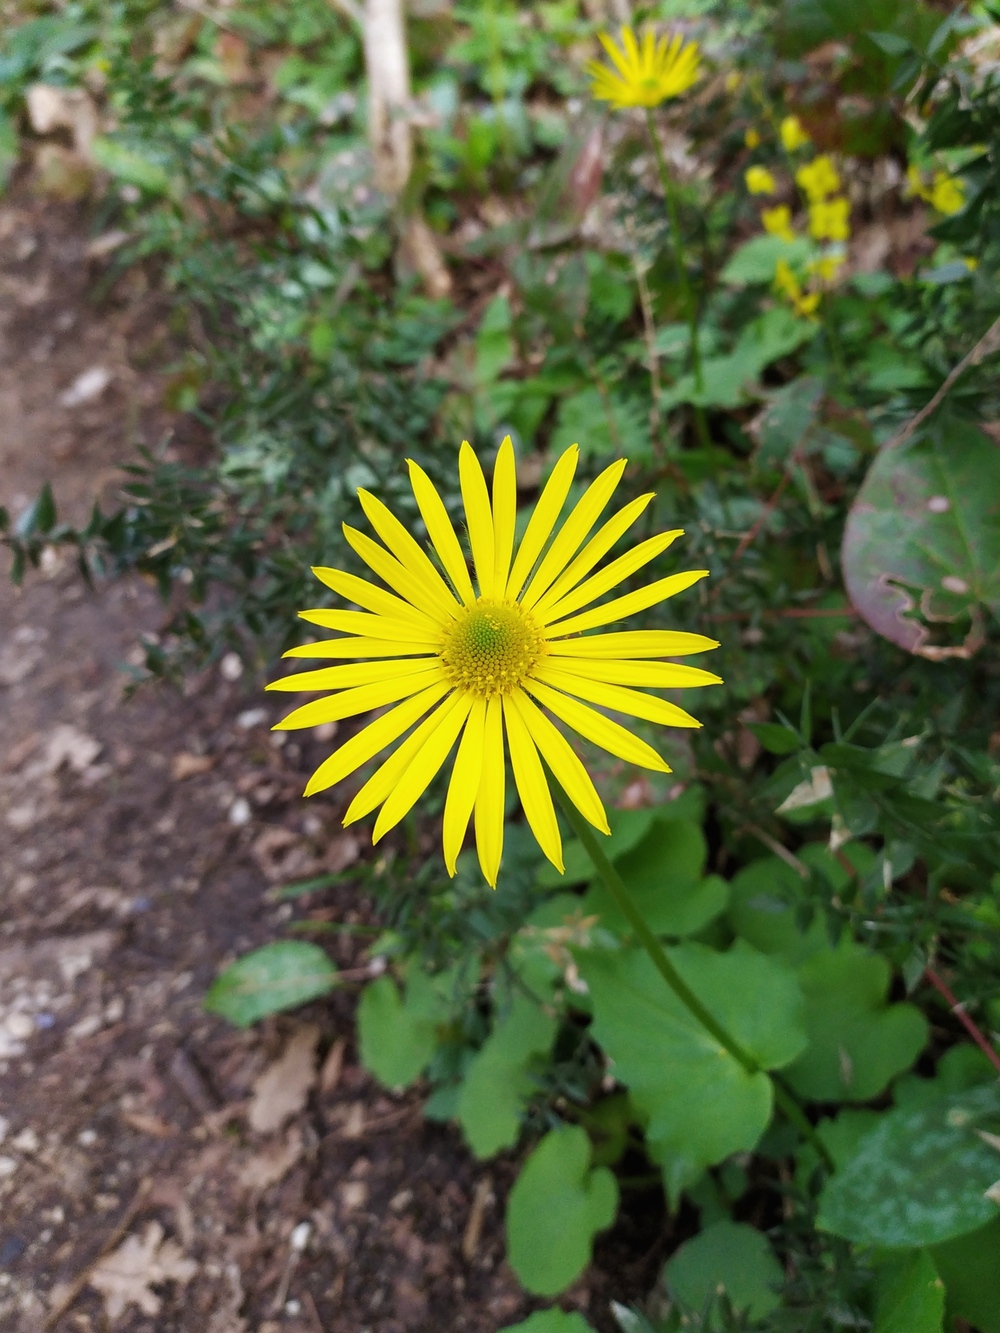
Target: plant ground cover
x=753, y=294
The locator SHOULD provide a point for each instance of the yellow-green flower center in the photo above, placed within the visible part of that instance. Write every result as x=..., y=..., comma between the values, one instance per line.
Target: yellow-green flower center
x=491, y=647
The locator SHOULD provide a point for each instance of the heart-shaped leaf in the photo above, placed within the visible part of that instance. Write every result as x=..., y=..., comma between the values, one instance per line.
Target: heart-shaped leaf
x=728, y=1257
x=397, y=1037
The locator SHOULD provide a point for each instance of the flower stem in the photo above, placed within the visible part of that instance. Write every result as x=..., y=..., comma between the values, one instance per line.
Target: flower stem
x=687, y=296
x=627, y=905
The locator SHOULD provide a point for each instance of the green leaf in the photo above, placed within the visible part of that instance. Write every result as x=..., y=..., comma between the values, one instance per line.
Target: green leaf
x=728, y=1257
x=970, y=1268
x=856, y=1043
x=494, y=344
x=8, y=147
x=604, y=426
x=776, y=739
x=628, y=828
x=756, y=260
x=551, y=1321
x=556, y=1207
x=922, y=540
x=498, y=1083
x=700, y=1104
x=40, y=515
x=279, y=976
x=129, y=165
x=397, y=1038
x=781, y=428
x=919, y=1177
x=909, y=1296
x=764, y=898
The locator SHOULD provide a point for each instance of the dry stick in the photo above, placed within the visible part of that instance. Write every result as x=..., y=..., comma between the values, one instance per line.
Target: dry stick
x=629, y=908
x=118, y=1234
x=765, y=514
x=958, y=1009
x=986, y=346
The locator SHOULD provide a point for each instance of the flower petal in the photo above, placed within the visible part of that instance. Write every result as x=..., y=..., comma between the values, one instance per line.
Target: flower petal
x=390, y=628
x=532, y=785
x=610, y=736
x=440, y=531
x=385, y=777
x=572, y=533
x=361, y=647
x=345, y=677
x=504, y=513
x=611, y=575
x=408, y=551
x=464, y=785
x=364, y=593
x=490, y=797
x=366, y=743
x=634, y=643
x=435, y=609
x=543, y=519
x=349, y=703
x=622, y=700
x=423, y=767
x=595, y=550
x=652, y=675
x=478, y=516
x=563, y=760
x=621, y=607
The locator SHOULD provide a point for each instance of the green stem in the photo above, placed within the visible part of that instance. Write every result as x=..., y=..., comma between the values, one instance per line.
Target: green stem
x=626, y=904
x=687, y=296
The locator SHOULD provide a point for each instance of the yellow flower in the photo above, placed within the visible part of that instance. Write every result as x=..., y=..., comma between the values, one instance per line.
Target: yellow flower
x=778, y=222
x=829, y=221
x=752, y=138
x=648, y=75
x=817, y=179
x=804, y=303
x=915, y=183
x=793, y=136
x=463, y=667
x=947, y=194
x=970, y=262
x=733, y=80
x=827, y=267
x=759, y=180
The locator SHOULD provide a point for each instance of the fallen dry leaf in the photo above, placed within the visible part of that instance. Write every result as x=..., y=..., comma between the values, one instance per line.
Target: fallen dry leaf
x=125, y=1277
x=186, y=765
x=332, y=1066
x=281, y=1091
x=149, y=1124
x=272, y=1164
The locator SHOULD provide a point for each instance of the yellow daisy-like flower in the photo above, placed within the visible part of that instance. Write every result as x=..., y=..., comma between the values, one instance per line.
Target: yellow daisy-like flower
x=648, y=74
x=793, y=136
x=759, y=180
x=778, y=222
x=463, y=666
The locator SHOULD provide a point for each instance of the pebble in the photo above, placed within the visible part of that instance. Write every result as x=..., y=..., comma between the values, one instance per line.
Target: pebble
x=240, y=812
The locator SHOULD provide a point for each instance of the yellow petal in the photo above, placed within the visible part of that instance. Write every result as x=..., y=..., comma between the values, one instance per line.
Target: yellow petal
x=572, y=533
x=367, y=594
x=478, y=517
x=632, y=702
x=391, y=628
x=490, y=797
x=504, y=513
x=363, y=699
x=464, y=785
x=611, y=575
x=595, y=550
x=652, y=675
x=343, y=677
x=362, y=647
x=543, y=520
x=440, y=531
x=407, y=551
x=365, y=744
x=423, y=767
x=596, y=727
x=620, y=607
x=563, y=760
x=385, y=777
x=634, y=643
x=532, y=786
x=436, y=609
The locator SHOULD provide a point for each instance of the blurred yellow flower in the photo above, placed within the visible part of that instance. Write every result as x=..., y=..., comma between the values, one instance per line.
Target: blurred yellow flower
x=778, y=222
x=752, y=138
x=759, y=180
x=792, y=134
x=828, y=221
x=947, y=194
x=827, y=267
x=970, y=263
x=817, y=179
x=733, y=80
x=804, y=303
x=649, y=74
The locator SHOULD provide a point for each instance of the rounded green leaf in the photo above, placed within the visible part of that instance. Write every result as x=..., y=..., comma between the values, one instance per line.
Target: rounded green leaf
x=396, y=1038
x=278, y=976
x=970, y=1267
x=909, y=1295
x=920, y=1176
x=728, y=1257
x=551, y=1321
x=557, y=1206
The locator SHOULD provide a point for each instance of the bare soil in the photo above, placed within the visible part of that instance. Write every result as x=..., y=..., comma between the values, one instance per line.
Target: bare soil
x=140, y=839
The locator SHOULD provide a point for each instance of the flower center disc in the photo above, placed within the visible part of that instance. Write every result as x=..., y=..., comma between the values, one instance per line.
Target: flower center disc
x=491, y=648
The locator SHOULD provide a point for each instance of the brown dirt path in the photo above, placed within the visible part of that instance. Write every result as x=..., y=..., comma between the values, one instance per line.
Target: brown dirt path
x=137, y=843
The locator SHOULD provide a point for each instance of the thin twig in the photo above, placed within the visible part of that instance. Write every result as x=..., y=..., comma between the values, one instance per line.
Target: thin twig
x=788, y=857
x=986, y=346
x=769, y=508
x=78, y=1284
x=958, y=1010
x=652, y=356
